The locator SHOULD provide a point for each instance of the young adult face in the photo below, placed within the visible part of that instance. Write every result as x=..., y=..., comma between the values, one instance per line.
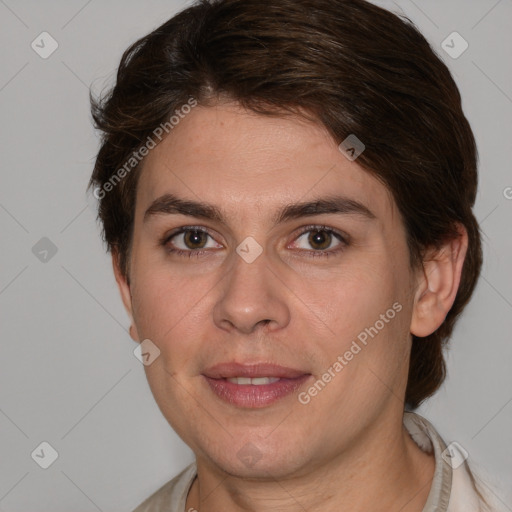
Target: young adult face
x=320, y=281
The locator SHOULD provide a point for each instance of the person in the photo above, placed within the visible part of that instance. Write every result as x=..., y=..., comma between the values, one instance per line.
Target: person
x=286, y=189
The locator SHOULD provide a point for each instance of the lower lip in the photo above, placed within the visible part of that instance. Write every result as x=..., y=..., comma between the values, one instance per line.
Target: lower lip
x=252, y=396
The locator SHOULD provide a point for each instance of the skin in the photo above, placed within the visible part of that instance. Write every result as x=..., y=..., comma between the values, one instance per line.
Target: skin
x=347, y=448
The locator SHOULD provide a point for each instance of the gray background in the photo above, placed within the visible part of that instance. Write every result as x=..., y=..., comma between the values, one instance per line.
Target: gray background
x=68, y=375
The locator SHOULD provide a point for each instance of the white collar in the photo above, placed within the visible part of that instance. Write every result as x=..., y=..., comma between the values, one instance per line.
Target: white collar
x=452, y=486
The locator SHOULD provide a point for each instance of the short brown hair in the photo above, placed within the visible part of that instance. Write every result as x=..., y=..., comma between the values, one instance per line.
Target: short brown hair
x=351, y=66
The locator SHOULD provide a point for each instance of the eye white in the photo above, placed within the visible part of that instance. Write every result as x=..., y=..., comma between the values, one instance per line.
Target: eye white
x=178, y=241
x=307, y=245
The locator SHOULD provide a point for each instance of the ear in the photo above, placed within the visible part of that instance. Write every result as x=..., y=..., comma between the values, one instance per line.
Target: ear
x=126, y=295
x=437, y=284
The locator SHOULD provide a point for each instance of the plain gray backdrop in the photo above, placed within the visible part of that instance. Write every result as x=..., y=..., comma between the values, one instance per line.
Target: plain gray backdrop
x=68, y=375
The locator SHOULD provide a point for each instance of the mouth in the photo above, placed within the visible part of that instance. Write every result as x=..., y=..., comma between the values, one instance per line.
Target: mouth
x=253, y=385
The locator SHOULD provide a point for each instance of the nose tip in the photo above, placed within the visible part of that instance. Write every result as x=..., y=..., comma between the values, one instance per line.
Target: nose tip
x=250, y=298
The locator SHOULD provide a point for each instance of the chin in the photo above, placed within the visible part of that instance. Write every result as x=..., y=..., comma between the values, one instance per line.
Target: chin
x=256, y=458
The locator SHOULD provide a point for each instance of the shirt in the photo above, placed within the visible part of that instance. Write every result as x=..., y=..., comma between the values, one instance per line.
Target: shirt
x=452, y=487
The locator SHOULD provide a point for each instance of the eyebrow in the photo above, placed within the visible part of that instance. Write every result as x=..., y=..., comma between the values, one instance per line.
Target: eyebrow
x=170, y=204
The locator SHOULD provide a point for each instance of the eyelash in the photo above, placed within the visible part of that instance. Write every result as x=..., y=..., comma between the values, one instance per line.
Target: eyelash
x=311, y=253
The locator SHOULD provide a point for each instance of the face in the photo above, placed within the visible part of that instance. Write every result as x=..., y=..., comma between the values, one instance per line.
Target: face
x=260, y=251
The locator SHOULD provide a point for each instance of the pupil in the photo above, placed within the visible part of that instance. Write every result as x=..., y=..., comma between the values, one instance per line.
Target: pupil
x=195, y=238
x=320, y=238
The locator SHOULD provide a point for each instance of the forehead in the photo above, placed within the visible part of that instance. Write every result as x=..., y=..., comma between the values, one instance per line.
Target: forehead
x=246, y=162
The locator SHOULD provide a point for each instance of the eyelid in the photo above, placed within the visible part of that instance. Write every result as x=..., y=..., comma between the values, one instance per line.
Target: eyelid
x=341, y=236
x=183, y=229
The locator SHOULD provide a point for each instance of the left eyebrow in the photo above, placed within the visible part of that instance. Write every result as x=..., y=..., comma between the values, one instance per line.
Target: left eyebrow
x=331, y=204
x=171, y=204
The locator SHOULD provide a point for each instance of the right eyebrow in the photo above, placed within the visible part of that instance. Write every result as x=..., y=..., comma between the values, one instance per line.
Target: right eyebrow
x=169, y=204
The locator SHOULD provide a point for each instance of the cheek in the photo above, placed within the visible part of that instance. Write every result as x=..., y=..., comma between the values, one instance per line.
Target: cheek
x=173, y=312
x=369, y=313
x=358, y=297
x=159, y=302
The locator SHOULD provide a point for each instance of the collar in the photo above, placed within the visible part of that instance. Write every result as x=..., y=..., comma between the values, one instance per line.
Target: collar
x=426, y=437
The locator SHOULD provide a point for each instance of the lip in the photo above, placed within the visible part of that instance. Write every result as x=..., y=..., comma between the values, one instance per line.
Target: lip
x=229, y=370
x=253, y=396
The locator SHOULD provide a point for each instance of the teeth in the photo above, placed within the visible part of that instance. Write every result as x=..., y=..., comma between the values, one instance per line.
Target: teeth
x=258, y=381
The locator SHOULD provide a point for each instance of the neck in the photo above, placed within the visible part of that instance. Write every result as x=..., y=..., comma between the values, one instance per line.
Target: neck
x=382, y=471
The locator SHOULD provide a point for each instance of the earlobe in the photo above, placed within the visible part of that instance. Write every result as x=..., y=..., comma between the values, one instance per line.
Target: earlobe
x=133, y=332
x=437, y=285
x=124, y=290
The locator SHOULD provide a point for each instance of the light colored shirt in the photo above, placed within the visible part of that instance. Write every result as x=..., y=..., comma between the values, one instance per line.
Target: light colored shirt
x=452, y=488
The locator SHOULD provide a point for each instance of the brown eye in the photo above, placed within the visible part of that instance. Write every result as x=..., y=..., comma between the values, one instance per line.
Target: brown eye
x=190, y=241
x=320, y=239
x=195, y=239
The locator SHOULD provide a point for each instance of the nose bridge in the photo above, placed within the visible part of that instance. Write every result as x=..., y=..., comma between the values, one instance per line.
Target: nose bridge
x=250, y=295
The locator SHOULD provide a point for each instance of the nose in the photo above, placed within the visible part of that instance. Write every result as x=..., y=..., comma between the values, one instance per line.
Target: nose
x=251, y=298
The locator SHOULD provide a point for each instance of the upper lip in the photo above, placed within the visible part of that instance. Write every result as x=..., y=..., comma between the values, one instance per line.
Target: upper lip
x=253, y=370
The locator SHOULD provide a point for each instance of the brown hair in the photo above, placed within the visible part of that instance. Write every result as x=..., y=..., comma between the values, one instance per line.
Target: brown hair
x=349, y=65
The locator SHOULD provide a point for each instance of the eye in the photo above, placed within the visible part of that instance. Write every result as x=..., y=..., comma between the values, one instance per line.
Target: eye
x=322, y=239
x=195, y=241
x=190, y=240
